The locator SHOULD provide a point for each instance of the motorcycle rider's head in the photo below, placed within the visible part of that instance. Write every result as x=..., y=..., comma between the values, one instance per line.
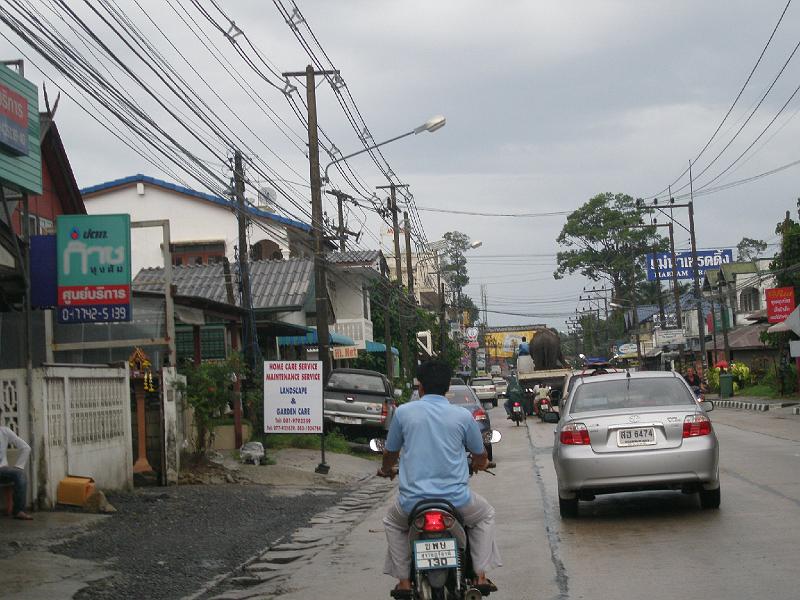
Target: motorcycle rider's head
x=434, y=377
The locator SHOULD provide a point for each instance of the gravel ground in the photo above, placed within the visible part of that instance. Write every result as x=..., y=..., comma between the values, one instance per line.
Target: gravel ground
x=165, y=543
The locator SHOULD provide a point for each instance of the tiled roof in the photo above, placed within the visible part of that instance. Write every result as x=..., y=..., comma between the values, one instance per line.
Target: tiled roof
x=275, y=284
x=354, y=257
x=139, y=178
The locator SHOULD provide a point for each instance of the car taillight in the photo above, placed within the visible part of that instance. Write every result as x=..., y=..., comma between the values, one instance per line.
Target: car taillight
x=696, y=425
x=575, y=434
x=433, y=520
x=384, y=412
x=479, y=415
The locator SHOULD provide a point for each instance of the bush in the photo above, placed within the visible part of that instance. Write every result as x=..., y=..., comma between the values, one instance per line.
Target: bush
x=334, y=441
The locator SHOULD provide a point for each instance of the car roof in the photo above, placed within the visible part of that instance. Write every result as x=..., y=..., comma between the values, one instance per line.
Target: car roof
x=358, y=372
x=633, y=375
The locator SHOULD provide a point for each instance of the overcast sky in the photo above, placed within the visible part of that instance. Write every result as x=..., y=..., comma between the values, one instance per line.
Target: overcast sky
x=547, y=103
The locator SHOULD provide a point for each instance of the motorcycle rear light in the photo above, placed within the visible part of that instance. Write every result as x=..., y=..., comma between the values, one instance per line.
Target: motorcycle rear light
x=479, y=415
x=575, y=434
x=696, y=425
x=434, y=521
x=517, y=404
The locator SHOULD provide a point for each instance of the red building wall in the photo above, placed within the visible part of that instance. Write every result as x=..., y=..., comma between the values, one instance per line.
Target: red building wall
x=47, y=206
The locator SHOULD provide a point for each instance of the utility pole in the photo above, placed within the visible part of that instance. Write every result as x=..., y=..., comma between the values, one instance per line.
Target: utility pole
x=320, y=283
x=249, y=341
x=412, y=354
x=398, y=262
x=341, y=231
x=698, y=297
x=675, y=288
x=442, y=321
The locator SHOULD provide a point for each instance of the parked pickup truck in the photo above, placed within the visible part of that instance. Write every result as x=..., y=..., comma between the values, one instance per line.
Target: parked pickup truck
x=359, y=401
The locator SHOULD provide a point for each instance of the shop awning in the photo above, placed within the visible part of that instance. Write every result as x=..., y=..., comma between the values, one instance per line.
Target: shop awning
x=312, y=339
x=380, y=347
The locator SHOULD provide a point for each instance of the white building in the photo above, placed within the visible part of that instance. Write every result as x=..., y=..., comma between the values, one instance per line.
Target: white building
x=203, y=227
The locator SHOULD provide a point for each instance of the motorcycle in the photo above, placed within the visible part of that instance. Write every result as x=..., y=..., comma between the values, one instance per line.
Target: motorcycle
x=517, y=414
x=441, y=563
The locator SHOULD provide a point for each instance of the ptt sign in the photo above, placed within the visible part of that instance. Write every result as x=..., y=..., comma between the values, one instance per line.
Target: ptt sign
x=94, y=268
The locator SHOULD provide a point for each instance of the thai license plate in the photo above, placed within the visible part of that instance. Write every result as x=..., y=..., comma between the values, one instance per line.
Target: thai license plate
x=636, y=436
x=435, y=554
x=517, y=409
x=347, y=420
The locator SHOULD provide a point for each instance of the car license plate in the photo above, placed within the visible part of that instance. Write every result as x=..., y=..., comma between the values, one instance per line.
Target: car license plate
x=435, y=554
x=636, y=436
x=347, y=420
x=517, y=409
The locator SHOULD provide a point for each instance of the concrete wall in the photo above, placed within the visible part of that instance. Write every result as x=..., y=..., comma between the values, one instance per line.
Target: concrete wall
x=190, y=219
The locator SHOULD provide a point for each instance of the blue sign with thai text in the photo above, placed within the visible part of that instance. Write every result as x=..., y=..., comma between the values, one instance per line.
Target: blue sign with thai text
x=706, y=259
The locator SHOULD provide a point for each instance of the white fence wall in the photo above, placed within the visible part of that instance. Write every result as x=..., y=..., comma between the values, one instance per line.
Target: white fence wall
x=82, y=414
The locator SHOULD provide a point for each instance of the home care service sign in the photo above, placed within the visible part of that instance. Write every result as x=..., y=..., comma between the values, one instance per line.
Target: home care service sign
x=292, y=396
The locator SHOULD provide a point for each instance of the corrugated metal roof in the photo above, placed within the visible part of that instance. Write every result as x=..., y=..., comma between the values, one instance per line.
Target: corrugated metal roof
x=275, y=284
x=354, y=257
x=139, y=178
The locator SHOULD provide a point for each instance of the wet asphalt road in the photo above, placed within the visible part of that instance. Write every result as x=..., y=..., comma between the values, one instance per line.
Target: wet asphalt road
x=165, y=543
x=654, y=546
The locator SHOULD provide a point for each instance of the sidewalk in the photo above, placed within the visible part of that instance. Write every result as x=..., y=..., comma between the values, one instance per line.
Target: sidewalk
x=756, y=403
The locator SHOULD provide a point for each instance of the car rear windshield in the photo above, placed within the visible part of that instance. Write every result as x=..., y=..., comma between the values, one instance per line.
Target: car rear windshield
x=461, y=395
x=482, y=381
x=356, y=381
x=632, y=393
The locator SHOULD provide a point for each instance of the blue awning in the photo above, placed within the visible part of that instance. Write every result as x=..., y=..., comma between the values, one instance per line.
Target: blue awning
x=312, y=339
x=381, y=348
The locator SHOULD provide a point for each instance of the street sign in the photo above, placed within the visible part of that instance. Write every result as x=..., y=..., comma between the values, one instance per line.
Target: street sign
x=20, y=149
x=343, y=352
x=93, y=257
x=293, y=396
x=670, y=336
x=684, y=261
x=627, y=348
x=780, y=303
x=472, y=334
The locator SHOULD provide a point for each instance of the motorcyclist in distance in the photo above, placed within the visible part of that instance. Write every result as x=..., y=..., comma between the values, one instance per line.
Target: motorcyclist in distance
x=432, y=436
x=514, y=393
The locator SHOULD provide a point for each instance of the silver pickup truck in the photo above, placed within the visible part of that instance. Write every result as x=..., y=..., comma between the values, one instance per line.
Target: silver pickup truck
x=359, y=401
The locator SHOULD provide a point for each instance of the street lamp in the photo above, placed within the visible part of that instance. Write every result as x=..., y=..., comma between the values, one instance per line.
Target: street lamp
x=431, y=125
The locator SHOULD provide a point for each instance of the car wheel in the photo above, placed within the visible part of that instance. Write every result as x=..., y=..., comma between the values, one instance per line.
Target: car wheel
x=710, y=498
x=568, y=507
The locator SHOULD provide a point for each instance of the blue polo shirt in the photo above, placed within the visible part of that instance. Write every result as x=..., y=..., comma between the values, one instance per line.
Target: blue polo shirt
x=431, y=435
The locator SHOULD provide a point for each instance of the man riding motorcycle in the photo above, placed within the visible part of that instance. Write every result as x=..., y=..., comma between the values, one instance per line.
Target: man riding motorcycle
x=433, y=435
x=514, y=393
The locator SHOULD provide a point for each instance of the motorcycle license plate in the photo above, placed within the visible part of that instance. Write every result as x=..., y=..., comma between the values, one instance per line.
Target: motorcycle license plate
x=517, y=409
x=435, y=554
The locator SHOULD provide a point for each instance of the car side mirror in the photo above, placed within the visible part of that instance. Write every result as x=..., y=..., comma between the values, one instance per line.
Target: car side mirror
x=487, y=405
x=550, y=417
x=707, y=405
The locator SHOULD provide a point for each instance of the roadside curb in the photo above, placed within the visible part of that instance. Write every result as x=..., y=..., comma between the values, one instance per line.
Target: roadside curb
x=756, y=406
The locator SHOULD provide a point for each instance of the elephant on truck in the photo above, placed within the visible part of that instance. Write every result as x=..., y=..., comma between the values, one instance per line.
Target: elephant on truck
x=545, y=350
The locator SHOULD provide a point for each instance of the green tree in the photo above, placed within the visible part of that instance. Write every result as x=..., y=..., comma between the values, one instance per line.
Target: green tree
x=750, y=248
x=455, y=273
x=788, y=257
x=601, y=243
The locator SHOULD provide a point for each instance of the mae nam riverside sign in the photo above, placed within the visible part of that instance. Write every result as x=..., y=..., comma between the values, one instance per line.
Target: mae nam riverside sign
x=706, y=259
x=93, y=259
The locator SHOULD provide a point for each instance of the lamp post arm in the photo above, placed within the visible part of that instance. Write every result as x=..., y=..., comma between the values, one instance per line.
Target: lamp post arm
x=367, y=149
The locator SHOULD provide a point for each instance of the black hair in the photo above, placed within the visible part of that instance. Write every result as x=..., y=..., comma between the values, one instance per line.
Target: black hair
x=434, y=375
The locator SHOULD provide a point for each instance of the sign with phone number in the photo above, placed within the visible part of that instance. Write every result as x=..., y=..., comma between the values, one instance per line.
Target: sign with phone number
x=94, y=314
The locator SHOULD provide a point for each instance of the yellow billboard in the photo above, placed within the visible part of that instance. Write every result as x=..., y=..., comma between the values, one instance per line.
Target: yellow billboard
x=503, y=344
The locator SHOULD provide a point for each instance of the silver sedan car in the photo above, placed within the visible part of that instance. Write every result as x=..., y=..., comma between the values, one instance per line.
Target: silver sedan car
x=625, y=432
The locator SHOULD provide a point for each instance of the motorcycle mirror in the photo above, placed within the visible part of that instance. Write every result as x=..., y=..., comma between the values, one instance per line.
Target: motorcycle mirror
x=550, y=417
x=376, y=445
x=495, y=437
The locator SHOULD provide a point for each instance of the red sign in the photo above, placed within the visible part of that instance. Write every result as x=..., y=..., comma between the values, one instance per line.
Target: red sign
x=472, y=344
x=780, y=303
x=13, y=121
